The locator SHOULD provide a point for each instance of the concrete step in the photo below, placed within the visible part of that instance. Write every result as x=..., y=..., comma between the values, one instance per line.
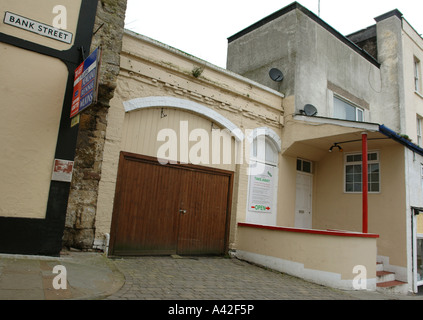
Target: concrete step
x=387, y=283
x=392, y=287
x=385, y=276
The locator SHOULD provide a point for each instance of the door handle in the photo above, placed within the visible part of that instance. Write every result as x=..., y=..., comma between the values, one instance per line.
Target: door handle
x=182, y=211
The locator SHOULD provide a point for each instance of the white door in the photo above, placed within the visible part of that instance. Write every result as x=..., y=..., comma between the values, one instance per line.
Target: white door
x=303, y=204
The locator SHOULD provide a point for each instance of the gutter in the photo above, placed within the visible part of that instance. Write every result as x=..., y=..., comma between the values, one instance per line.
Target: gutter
x=395, y=136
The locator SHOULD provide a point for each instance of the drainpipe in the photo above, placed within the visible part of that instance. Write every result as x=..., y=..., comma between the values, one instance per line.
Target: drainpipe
x=365, y=182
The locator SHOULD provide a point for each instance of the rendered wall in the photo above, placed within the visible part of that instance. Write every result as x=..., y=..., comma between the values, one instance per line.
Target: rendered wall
x=29, y=130
x=387, y=209
x=321, y=258
x=151, y=69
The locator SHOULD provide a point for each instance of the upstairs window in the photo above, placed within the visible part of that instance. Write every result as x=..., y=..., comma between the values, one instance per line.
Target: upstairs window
x=417, y=72
x=419, y=131
x=346, y=111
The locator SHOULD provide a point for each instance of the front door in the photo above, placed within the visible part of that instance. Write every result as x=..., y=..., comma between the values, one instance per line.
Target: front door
x=169, y=209
x=303, y=204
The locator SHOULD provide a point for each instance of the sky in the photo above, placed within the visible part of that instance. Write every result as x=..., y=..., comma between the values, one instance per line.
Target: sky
x=201, y=28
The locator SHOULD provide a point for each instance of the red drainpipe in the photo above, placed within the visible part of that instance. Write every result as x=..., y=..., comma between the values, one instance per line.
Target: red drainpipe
x=365, y=183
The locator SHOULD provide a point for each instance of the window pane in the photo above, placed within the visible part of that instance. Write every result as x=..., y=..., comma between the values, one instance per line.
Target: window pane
x=357, y=168
x=372, y=156
x=299, y=163
x=307, y=166
x=357, y=187
x=359, y=115
x=357, y=158
x=357, y=177
x=374, y=177
x=343, y=110
x=374, y=187
x=271, y=153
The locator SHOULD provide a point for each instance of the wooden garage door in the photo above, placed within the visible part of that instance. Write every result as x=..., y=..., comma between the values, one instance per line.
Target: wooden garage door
x=168, y=209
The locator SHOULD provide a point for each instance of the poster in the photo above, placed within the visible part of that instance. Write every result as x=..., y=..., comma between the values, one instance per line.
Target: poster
x=62, y=170
x=261, y=188
x=86, y=83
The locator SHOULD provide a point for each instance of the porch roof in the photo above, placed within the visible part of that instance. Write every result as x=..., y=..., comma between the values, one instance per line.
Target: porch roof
x=312, y=137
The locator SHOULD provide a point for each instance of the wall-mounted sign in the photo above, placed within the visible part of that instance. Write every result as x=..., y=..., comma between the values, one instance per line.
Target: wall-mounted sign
x=261, y=191
x=86, y=83
x=39, y=28
x=62, y=170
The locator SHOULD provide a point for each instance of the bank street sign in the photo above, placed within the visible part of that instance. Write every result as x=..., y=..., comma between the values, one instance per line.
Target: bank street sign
x=86, y=83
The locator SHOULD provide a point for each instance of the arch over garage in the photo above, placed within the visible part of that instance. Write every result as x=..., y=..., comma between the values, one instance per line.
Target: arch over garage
x=182, y=104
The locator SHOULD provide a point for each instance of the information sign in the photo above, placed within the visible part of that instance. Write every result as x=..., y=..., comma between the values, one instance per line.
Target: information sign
x=86, y=83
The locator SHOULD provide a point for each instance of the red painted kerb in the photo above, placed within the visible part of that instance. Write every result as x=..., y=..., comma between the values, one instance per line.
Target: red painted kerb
x=335, y=233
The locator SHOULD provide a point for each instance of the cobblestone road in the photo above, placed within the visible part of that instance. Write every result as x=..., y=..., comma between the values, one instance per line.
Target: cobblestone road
x=167, y=278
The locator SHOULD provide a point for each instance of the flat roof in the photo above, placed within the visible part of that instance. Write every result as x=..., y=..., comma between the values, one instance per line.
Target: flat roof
x=315, y=18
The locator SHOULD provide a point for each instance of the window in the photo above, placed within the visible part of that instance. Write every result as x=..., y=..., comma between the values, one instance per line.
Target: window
x=353, y=172
x=304, y=166
x=270, y=154
x=346, y=111
x=417, y=71
x=263, y=181
x=419, y=131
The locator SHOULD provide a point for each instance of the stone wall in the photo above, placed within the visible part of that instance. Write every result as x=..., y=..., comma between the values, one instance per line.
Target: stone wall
x=82, y=205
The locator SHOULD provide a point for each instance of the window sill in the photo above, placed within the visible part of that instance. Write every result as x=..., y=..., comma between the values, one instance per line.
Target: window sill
x=419, y=94
x=355, y=192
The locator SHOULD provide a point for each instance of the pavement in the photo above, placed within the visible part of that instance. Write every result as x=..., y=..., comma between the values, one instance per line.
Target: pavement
x=93, y=276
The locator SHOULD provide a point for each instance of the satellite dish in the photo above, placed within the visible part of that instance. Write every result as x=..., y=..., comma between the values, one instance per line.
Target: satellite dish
x=310, y=110
x=276, y=75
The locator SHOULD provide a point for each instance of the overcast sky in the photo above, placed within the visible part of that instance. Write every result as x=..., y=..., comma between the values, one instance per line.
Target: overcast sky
x=201, y=27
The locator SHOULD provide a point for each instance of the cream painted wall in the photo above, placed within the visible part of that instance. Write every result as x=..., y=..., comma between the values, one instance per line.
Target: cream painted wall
x=386, y=209
x=32, y=87
x=321, y=258
x=142, y=128
x=151, y=69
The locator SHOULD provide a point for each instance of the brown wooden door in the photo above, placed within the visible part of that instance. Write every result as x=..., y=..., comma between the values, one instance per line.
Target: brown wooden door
x=168, y=209
x=203, y=213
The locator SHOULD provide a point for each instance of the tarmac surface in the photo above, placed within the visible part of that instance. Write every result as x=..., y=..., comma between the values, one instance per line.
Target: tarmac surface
x=93, y=276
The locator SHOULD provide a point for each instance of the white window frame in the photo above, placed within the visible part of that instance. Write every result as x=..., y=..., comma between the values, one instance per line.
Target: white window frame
x=417, y=76
x=419, y=130
x=302, y=166
x=358, y=110
x=271, y=161
x=370, y=162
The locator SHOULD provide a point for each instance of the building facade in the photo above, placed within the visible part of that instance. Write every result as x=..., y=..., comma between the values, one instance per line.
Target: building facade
x=305, y=156
x=353, y=91
x=40, y=49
